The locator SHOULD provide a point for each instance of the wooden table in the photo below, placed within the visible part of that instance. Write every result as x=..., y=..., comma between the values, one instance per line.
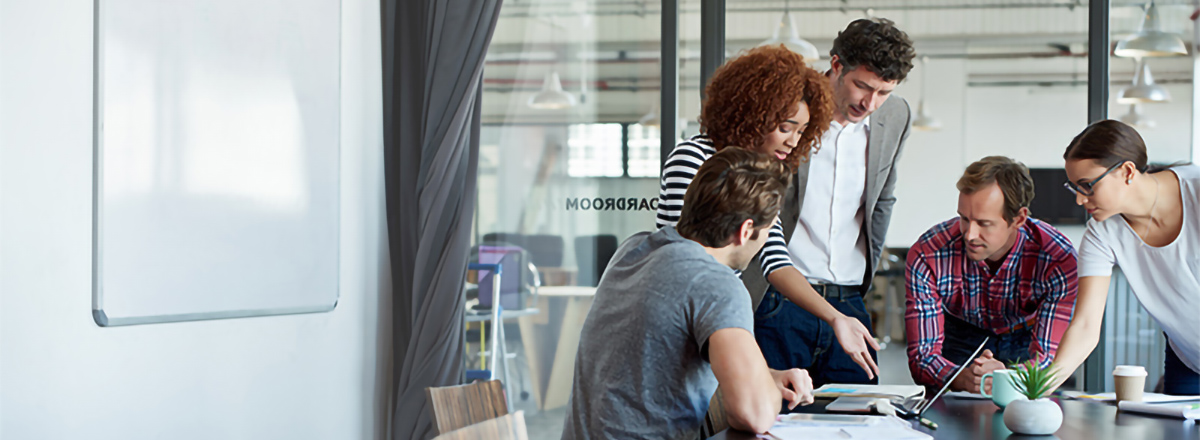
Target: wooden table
x=1082, y=420
x=551, y=339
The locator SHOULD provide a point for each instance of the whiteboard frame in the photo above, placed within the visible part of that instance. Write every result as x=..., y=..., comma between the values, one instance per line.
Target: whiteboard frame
x=99, y=315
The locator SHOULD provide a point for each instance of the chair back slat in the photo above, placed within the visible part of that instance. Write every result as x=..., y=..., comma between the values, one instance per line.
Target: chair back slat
x=715, y=421
x=460, y=406
x=509, y=427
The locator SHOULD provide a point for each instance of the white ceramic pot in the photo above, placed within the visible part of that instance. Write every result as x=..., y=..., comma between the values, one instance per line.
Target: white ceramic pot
x=1033, y=417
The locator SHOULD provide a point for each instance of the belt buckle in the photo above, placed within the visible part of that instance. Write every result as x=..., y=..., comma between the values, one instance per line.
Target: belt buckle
x=822, y=289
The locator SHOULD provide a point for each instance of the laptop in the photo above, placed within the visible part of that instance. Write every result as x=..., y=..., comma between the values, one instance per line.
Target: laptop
x=866, y=403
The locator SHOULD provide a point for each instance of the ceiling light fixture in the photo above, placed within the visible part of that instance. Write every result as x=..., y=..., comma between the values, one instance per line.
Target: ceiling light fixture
x=552, y=96
x=1150, y=40
x=925, y=121
x=1143, y=89
x=788, y=35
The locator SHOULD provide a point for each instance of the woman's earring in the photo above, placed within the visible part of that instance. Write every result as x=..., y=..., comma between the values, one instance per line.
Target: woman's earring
x=1128, y=181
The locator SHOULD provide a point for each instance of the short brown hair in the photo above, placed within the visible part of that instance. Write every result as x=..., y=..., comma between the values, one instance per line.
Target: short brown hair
x=750, y=95
x=1011, y=176
x=878, y=44
x=730, y=187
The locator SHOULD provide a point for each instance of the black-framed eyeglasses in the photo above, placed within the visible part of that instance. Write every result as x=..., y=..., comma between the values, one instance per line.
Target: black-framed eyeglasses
x=1089, y=188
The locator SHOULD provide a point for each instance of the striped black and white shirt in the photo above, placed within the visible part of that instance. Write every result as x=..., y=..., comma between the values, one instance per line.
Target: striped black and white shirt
x=679, y=171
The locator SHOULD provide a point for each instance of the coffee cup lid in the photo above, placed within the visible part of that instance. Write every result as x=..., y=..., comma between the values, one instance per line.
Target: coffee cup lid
x=1129, y=370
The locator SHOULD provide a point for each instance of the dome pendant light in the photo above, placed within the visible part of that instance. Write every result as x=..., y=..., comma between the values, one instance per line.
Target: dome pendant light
x=1143, y=89
x=1137, y=119
x=787, y=35
x=552, y=96
x=1150, y=40
x=924, y=120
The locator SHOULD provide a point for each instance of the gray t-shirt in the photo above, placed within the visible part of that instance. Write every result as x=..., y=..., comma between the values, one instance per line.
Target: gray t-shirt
x=642, y=369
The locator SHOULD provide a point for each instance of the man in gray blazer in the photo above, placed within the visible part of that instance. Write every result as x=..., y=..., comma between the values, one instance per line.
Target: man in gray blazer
x=836, y=223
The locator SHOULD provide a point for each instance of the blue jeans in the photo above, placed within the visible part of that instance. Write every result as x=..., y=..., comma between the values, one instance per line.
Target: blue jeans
x=1178, y=379
x=791, y=337
x=962, y=338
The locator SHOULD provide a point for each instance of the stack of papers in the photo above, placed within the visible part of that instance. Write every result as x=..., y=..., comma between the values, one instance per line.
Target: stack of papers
x=903, y=392
x=861, y=399
x=967, y=395
x=841, y=427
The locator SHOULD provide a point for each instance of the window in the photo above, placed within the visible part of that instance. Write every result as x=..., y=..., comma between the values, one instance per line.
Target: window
x=643, y=151
x=613, y=150
x=594, y=150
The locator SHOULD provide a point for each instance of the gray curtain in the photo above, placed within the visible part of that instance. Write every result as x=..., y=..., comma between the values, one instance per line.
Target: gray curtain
x=432, y=69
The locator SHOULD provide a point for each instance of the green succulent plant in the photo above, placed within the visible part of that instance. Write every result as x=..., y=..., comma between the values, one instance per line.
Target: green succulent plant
x=1031, y=380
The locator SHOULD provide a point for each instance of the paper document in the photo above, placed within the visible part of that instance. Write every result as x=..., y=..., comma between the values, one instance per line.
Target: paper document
x=1146, y=397
x=967, y=395
x=841, y=427
x=1180, y=410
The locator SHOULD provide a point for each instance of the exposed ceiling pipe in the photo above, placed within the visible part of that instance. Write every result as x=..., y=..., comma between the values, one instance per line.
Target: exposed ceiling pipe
x=1049, y=82
x=537, y=60
x=609, y=9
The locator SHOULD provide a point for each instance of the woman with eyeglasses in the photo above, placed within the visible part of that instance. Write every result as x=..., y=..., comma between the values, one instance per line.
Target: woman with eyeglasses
x=1146, y=221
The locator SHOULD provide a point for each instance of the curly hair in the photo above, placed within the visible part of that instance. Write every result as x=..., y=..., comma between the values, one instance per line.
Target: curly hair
x=752, y=94
x=878, y=44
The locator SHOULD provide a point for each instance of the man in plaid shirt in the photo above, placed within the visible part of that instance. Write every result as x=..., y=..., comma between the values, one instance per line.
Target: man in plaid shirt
x=992, y=271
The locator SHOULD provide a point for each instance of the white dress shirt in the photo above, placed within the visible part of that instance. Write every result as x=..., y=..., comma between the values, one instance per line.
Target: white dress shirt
x=828, y=245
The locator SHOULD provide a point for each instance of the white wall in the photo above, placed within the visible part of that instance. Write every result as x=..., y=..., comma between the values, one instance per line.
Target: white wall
x=61, y=376
x=930, y=158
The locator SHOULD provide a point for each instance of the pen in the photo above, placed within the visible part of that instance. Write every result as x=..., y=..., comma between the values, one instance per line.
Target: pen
x=928, y=423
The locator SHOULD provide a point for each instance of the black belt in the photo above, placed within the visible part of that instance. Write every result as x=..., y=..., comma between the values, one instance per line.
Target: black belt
x=837, y=291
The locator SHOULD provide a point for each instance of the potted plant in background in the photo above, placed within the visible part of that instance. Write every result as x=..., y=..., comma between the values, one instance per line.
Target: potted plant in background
x=1036, y=415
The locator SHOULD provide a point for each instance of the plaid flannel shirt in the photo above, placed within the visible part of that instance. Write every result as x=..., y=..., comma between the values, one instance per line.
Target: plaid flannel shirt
x=1034, y=288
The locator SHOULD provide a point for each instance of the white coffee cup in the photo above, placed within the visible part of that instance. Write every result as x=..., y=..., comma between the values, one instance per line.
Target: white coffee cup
x=1130, y=381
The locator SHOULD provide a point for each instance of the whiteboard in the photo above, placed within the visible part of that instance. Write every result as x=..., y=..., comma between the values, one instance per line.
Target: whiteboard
x=216, y=175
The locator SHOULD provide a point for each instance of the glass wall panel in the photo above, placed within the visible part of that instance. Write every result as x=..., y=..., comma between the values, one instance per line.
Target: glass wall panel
x=569, y=168
x=1150, y=88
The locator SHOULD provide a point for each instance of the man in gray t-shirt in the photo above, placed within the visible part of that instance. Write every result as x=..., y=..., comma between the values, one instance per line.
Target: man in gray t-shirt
x=671, y=320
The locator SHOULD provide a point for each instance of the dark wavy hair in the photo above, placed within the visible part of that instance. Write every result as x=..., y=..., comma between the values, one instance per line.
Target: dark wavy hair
x=877, y=44
x=750, y=95
x=731, y=186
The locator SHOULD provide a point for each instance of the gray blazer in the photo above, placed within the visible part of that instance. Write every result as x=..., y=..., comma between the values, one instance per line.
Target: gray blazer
x=890, y=126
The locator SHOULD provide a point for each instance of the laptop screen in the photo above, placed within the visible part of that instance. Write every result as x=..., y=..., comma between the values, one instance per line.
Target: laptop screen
x=927, y=403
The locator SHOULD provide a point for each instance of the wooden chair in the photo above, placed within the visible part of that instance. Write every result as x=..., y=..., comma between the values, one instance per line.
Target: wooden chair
x=715, y=421
x=460, y=406
x=509, y=427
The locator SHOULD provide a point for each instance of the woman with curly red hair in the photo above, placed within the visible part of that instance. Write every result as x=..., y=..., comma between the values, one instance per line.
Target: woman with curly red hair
x=768, y=101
